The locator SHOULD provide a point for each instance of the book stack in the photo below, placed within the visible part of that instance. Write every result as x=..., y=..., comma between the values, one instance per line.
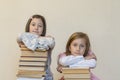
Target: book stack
x=82, y=73
x=32, y=64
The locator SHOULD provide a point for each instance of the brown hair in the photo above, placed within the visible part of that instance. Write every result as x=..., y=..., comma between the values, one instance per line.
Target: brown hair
x=40, y=17
x=77, y=35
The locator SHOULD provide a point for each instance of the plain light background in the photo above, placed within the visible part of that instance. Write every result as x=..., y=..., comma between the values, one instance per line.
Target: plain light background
x=100, y=19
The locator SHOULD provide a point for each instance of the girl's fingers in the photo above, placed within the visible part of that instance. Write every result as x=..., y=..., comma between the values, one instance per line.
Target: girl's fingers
x=59, y=69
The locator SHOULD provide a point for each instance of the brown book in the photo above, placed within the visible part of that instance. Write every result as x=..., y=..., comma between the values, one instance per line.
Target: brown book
x=29, y=59
x=30, y=72
x=26, y=49
x=76, y=75
x=34, y=54
x=31, y=76
x=31, y=68
x=32, y=64
x=77, y=79
x=75, y=70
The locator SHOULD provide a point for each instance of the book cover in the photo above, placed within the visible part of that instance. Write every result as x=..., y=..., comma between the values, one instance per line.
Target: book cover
x=31, y=68
x=77, y=78
x=30, y=72
x=34, y=54
x=31, y=59
x=32, y=63
x=76, y=75
x=75, y=70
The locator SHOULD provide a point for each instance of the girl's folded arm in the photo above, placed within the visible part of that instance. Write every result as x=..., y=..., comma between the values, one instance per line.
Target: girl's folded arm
x=85, y=63
x=69, y=60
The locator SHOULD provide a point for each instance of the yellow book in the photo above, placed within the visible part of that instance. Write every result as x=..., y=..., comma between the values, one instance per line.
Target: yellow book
x=26, y=49
x=77, y=79
x=31, y=76
x=76, y=75
x=31, y=68
x=32, y=59
x=32, y=64
x=30, y=72
x=75, y=70
x=34, y=54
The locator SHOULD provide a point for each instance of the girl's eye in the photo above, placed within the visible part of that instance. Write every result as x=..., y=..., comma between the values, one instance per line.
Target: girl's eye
x=40, y=25
x=82, y=45
x=74, y=44
x=33, y=24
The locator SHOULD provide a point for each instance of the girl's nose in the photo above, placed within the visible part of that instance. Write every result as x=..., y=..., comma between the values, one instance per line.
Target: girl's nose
x=78, y=48
x=36, y=27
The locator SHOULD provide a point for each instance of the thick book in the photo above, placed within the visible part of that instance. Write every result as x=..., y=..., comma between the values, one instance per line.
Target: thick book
x=30, y=72
x=31, y=59
x=34, y=54
x=31, y=76
x=31, y=68
x=76, y=75
x=37, y=50
x=24, y=48
x=32, y=63
x=68, y=70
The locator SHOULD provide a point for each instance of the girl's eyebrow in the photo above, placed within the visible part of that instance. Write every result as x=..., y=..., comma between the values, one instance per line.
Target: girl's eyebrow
x=32, y=22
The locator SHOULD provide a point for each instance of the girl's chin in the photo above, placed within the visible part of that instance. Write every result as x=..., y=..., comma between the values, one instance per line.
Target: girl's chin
x=35, y=33
x=77, y=54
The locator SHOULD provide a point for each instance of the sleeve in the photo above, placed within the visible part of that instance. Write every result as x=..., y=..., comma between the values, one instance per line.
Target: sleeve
x=60, y=56
x=46, y=43
x=70, y=60
x=19, y=39
x=90, y=51
x=85, y=63
x=52, y=43
x=29, y=40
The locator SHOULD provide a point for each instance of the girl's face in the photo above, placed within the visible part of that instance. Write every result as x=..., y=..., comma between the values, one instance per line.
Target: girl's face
x=36, y=26
x=78, y=46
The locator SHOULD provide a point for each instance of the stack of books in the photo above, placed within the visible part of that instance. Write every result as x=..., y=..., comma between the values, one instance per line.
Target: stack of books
x=32, y=64
x=82, y=73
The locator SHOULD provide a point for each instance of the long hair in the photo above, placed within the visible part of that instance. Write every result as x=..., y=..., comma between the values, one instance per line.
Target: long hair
x=39, y=17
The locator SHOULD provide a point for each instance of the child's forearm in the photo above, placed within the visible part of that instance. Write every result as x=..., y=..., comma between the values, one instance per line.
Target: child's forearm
x=59, y=68
x=48, y=42
x=19, y=43
x=85, y=63
x=69, y=60
x=52, y=43
x=19, y=40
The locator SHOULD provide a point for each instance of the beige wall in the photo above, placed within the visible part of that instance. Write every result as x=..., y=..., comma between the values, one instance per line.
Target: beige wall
x=100, y=19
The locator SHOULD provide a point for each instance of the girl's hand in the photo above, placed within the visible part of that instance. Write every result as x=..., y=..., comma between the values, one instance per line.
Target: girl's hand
x=59, y=68
x=91, y=56
x=20, y=43
x=49, y=36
